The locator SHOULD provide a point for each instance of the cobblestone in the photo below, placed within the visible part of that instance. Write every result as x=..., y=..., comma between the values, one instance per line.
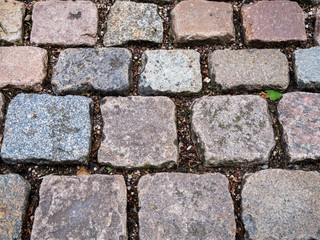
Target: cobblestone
x=299, y=115
x=105, y=70
x=131, y=21
x=130, y=124
x=307, y=68
x=64, y=23
x=44, y=129
x=281, y=204
x=11, y=22
x=23, y=67
x=81, y=207
x=232, y=130
x=317, y=28
x=2, y=106
x=185, y=206
x=170, y=72
x=273, y=22
x=14, y=193
x=252, y=69
x=195, y=20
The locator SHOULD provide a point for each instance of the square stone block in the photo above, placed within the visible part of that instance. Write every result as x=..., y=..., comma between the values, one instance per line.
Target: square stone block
x=138, y=132
x=281, y=204
x=232, y=130
x=81, y=207
x=64, y=23
x=198, y=20
x=14, y=193
x=299, y=116
x=131, y=22
x=249, y=69
x=185, y=206
x=307, y=68
x=273, y=22
x=11, y=22
x=103, y=70
x=170, y=72
x=23, y=67
x=45, y=129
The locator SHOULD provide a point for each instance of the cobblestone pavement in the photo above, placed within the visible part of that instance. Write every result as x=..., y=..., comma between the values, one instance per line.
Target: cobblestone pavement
x=155, y=120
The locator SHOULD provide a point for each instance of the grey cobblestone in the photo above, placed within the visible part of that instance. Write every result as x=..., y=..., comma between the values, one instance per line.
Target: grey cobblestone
x=14, y=193
x=105, y=70
x=232, y=130
x=185, y=206
x=44, y=129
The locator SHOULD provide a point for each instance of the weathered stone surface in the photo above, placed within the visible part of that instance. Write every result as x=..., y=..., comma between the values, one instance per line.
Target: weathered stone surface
x=131, y=21
x=2, y=105
x=170, y=72
x=160, y=2
x=11, y=22
x=81, y=207
x=232, y=130
x=299, y=115
x=198, y=20
x=273, y=22
x=253, y=69
x=106, y=70
x=23, y=67
x=281, y=205
x=138, y=132
x=317, y=28
x=45, y=129
x=14, y=193
x=307, y=68
x=65, y=23
x=185, y=206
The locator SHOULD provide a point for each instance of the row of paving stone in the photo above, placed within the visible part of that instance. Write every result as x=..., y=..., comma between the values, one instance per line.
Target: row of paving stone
x=163, y=72
x=69, y=23
x=227, y=130
x=276, y=204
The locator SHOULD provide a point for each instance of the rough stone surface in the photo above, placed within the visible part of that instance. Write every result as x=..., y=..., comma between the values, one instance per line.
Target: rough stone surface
x=161, y=2
x=299, y=115
x=45, y=129
x=198, y=20
x=253, y=69
x=138, y=132
x=81, y=207
x=170, y=72
x=2, y=106
x=65, y=23
x=232, y=130
x=106, y=70
x=307, y=68
x=273, y=22
x=14, y=193
x=130, y=21
x=281, y=205
x=11, y=22
x=317, y=28
x=23, y=67
x=185, y=206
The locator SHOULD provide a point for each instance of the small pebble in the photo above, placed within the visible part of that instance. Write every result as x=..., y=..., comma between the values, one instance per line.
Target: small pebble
x=264, y=166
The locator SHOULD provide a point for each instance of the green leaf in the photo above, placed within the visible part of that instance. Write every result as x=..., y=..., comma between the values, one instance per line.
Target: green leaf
x=274, y=95
x=109, y=169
